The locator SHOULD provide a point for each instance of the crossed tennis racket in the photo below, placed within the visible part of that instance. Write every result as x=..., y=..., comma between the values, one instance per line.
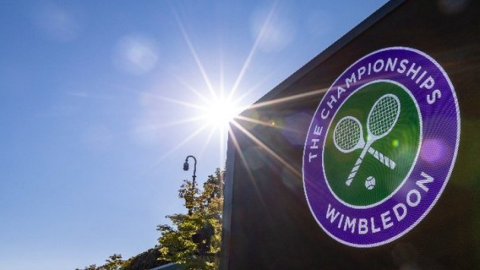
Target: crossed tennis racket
x=348, y=133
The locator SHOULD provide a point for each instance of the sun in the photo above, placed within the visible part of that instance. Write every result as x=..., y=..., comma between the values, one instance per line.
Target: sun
x=220, y=112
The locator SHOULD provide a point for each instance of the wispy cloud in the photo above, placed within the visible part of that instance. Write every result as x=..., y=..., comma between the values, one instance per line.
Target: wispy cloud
x=57, y=22
x=136, y=54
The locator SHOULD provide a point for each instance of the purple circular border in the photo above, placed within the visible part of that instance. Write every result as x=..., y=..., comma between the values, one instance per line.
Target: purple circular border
x=441, y=122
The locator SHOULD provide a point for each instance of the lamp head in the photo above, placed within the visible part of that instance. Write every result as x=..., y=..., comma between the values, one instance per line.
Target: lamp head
x=185, y=166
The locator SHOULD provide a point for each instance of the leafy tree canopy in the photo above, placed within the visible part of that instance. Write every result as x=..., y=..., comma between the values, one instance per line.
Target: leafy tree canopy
x=113, y=262
x=194, y=239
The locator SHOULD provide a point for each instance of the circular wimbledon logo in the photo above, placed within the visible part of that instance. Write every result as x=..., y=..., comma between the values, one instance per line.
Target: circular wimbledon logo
x=381, y=147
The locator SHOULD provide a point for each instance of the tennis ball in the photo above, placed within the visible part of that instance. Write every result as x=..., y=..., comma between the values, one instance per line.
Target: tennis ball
x=370, y=182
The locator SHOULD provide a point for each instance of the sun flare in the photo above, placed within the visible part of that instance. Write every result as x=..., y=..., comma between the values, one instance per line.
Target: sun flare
x=220, y=112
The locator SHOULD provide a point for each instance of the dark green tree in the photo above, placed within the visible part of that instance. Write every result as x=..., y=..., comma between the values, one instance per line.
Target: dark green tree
x=90, y=267
x=113, y=262
x=194, y=239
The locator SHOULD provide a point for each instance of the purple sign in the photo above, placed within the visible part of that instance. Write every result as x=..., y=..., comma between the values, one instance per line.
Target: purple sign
x=381, y=147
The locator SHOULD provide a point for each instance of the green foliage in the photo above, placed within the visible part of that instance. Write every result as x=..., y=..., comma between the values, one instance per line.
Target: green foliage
x=194, y=240
x=113, y=262
x=90, y=267
x=145, y=260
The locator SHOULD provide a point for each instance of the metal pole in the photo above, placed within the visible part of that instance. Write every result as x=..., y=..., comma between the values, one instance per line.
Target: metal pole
x=194, y=176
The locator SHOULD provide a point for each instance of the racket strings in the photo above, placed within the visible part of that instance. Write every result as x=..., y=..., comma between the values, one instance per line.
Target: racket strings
x=383, y=116
x=347, y=134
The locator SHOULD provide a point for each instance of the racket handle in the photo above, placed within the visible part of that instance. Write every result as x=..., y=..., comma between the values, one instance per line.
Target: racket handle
x=354, y=170
x=382, y=158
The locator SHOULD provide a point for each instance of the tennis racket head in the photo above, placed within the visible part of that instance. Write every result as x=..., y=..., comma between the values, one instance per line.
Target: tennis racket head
x=348, y=134
x=383, y=116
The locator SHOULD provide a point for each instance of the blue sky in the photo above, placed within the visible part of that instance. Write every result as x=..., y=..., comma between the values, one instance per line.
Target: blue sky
x=100, y=104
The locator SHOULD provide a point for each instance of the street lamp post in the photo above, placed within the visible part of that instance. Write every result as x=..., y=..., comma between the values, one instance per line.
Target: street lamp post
x=185, y=168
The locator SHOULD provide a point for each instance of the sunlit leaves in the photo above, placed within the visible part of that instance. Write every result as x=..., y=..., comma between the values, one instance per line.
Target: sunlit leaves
x=194, y=240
